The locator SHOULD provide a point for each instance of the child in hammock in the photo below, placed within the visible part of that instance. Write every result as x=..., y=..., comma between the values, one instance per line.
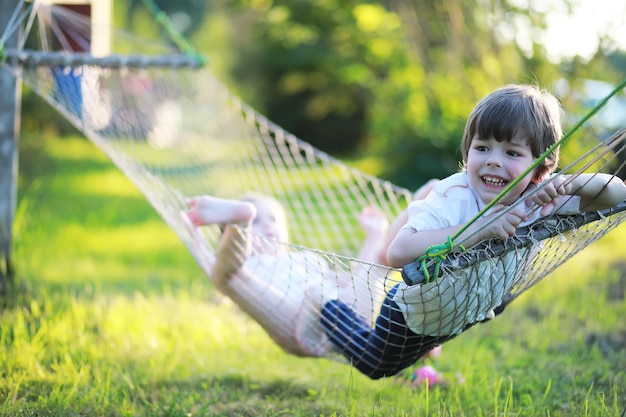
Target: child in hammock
x=282, y=289
x=505, y=133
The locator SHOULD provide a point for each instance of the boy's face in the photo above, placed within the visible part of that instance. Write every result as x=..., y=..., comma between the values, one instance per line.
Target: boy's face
x=492, y=165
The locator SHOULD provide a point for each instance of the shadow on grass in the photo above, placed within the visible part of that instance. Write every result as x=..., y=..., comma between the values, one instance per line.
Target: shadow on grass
x=237, y=395
x=228, y=396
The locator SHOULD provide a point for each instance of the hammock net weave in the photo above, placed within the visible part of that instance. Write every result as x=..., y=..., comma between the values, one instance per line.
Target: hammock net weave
x=177, y=132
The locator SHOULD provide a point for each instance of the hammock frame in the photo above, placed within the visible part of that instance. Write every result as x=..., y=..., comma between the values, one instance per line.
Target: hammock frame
x=31, y=58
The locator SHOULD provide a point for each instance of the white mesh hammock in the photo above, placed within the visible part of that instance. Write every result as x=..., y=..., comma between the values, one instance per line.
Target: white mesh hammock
x=177, y=132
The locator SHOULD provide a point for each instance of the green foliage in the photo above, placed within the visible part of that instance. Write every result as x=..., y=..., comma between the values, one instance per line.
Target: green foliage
x=395, y=80
x=390, y=83
x=312, y=65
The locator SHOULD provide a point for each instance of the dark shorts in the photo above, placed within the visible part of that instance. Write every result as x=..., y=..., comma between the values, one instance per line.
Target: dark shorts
x=379, y=351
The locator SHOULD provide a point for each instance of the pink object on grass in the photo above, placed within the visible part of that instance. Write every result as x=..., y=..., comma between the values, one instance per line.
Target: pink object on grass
x=427, y=374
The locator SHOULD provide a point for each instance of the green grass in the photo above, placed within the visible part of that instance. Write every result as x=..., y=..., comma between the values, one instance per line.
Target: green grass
x=112, y=317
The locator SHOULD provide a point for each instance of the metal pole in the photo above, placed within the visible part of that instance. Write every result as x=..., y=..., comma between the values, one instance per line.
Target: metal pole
x=10, y=107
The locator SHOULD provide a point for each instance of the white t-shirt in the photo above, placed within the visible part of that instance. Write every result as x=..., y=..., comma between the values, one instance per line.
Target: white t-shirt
x=455, y=300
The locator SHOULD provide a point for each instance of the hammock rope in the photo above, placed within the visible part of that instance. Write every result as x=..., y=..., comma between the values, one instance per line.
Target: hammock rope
x=177, y=132
x=183, y=43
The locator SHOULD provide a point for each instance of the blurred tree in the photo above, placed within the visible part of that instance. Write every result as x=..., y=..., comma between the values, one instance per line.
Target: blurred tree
x=388, y=83
x=393, y=78
x=311, y=66
x=340, y=74
x=461, y=50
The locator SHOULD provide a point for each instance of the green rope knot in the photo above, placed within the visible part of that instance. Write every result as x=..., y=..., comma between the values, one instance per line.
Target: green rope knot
x=438, y=254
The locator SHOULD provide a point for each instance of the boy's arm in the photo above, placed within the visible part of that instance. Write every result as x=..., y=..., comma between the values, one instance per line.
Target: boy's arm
x=598, y=191
x=410, y=244
x=394, y=229
x=403, y=217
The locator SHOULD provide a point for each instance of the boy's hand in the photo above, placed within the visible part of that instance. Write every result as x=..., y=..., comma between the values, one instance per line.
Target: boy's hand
x=547, y=196
x=500, y=225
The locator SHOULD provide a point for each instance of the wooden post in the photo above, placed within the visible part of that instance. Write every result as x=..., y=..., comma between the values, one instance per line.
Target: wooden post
x=10, y=107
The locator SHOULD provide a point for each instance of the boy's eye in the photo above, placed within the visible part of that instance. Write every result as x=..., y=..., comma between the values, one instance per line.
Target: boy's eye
x=481, y=148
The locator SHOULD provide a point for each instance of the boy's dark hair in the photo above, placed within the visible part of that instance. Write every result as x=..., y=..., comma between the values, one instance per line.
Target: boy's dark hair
x=518, y=110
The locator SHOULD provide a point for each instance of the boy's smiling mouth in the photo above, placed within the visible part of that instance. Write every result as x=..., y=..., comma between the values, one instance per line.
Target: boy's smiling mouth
x=493, y=181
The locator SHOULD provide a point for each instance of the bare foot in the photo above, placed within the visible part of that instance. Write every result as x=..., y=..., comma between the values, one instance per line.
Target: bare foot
x=213, y=210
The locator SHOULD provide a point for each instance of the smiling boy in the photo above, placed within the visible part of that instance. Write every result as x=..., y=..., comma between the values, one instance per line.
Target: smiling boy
x=505, y=133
